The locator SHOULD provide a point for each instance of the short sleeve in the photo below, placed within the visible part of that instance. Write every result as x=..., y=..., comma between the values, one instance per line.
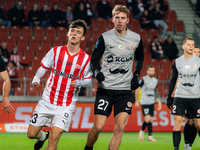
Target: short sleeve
x=48, y=60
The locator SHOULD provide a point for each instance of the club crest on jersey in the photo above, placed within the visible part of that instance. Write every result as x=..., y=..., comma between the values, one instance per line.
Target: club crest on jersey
x=187, y=66
x=198, y=111
x=195, y=66
x=122, y=46
x=78, y=66
x=129, y=104
x=131, y=46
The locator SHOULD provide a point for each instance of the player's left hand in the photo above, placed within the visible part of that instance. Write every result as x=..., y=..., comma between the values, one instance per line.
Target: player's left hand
x=73, y=83
x=169, y=102
x=7, y=106
x=135, y=82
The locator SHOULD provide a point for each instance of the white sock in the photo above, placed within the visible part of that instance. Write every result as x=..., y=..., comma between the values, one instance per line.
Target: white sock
x=43, y=136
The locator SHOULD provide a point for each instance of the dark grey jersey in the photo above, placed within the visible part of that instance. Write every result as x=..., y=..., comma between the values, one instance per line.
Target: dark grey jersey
x=187, y=72
x=118, y=54
x=148, y=90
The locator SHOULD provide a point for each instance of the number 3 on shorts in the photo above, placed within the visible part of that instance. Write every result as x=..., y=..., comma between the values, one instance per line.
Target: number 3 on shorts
x=102, y=104
x=34, y=118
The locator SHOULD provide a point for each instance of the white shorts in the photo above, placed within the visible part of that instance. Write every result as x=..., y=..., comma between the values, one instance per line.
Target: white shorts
x=44, y=112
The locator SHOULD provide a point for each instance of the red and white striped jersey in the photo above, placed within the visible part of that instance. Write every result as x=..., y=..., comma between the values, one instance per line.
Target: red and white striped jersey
x=64, y=69
x=15, y=58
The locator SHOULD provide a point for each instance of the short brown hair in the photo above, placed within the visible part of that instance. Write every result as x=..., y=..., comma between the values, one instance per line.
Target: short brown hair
x=150, y=66
x=196, y=46
x=188, y=38
x=121, y=8
x=79, y=23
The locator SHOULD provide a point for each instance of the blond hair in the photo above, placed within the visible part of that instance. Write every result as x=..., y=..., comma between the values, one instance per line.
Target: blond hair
x=121, y=8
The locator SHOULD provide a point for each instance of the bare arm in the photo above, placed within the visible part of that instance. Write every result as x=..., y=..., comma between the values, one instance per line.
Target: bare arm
x=159, y=103
x=136, y=97
x=6, y=90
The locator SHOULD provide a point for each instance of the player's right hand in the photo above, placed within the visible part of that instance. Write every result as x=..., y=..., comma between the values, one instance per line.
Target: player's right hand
x=137, y=104
x=36, y=84
x=100, y=77
x=169, y=102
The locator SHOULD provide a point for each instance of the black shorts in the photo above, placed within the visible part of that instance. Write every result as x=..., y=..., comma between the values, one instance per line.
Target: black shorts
x=121, y=100
x=192, y=106
x=148, y=109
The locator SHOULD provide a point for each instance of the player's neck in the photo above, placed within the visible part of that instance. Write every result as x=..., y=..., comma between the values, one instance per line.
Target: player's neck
x=150, y=76
x=120, y=32
x=187, y=56
x=73, y=49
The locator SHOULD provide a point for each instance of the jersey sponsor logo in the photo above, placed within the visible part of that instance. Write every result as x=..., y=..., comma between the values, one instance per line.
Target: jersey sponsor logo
x=122, y=46
x=195, y=66
x=150, y=95
x=129, y=104
x=60, y=61
x=60, y=73
x=187, y=66
x=188, y=84
x=198, y=111
x=69, y=63
x=131, y=46
x=187, y=75
x=119, y=59
x=122, y=71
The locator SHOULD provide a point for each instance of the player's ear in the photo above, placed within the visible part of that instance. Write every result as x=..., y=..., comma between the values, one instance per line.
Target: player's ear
x=127, y=21
x=68, y=34
x=183, y=47
x=83, y=38
x=113, y=19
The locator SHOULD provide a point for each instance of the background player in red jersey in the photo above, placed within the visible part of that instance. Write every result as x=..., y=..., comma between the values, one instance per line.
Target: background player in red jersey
x=70, y=69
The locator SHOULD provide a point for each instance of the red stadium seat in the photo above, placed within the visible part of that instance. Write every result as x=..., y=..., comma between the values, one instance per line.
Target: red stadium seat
x=32, y=91
x=11, y=44
x=33, y=45
x=57, y=43
x=4, y=32
x=100, y=25
x=45, y=46
x=15, y=32
x=120, y=2
x=19, y=91
x=27, y=58
x=38, y=33
x=171, y=16
x=9, y=3
x=179, y=27
x=50, y=33
x=152, y=33
x=30, y=74
x=41, y=3
x=26, y=33
x=22, y=45
x=163, y=76
x=170, y=29
x=39, y=56
x=61, y=33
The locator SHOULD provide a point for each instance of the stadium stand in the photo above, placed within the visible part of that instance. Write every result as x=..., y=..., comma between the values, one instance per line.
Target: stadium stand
x=34, y=43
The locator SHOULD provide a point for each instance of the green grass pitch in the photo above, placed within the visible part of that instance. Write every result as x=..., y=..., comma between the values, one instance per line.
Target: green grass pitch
x=77, y=140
